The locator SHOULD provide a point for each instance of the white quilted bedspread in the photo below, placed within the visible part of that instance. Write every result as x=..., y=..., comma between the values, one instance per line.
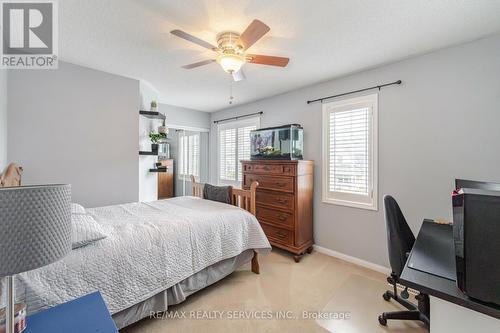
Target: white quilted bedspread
x=150, y=247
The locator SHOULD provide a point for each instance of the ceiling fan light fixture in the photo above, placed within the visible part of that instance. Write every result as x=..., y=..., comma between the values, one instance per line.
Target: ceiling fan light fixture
x=231, y=63
x=232, y=49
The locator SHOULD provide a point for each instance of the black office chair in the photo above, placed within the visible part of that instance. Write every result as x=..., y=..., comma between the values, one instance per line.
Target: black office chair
x=400, y=240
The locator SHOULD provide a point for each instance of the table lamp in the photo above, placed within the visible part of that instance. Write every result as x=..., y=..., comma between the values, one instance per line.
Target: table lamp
x=35, y=230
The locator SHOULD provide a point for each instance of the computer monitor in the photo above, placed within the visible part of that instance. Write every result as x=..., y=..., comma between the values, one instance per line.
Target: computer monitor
x=489, y=186
x=476, y=233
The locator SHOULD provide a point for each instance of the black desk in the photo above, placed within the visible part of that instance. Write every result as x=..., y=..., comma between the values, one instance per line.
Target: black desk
x=432, y=248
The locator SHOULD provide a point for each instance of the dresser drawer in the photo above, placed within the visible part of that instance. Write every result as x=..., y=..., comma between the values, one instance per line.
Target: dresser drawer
x=274, y=216
x=279, y=169
x=277, y=199
x=277, y=234
x=284, y=184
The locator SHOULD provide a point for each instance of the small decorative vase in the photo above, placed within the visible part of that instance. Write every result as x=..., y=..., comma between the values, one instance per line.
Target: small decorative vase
x=154, y=108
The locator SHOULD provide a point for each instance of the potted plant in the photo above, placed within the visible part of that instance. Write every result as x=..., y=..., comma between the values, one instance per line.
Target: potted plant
x=154, y=106
x=154, y=137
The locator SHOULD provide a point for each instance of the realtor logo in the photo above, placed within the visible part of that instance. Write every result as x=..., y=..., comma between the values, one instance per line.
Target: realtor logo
x=29, y=34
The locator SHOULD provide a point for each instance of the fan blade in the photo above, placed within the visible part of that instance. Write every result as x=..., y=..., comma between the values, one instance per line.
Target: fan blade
x=193, y=39
x=267, y=60
x=198, y=64
x=253, y=33
x=239, y=75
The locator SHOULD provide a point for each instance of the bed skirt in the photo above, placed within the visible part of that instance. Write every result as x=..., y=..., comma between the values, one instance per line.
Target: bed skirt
x=179, y=292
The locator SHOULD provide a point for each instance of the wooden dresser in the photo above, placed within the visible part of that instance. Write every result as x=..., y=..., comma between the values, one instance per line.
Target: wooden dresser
x=284, y=202
x=166, y=180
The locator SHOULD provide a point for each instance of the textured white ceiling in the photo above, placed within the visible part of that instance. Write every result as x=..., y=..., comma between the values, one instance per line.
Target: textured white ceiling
x=323, y=38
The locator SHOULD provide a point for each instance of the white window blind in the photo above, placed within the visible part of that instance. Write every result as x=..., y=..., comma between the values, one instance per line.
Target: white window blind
x=243, y=147
x=234, y=146
x=349, y=151
x=189, y=152
x=227, y=154
x=349, y=157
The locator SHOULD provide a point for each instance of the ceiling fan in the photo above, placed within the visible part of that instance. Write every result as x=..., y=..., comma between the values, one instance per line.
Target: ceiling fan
x=231, y=49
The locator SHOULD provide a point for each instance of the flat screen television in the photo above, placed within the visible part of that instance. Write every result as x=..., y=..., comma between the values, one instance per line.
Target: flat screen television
x=476, y=233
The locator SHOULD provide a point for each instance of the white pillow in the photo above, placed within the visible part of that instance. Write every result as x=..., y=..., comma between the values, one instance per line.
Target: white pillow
x=85, y=230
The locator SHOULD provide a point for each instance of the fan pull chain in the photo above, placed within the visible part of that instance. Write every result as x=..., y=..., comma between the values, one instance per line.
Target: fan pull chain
x=231, y=97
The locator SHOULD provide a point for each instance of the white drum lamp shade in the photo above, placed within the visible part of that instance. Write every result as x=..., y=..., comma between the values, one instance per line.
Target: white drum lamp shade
x=35, y=230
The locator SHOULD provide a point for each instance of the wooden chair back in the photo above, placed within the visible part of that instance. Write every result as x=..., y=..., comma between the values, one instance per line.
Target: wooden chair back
x=244, y=199
x=197, y=187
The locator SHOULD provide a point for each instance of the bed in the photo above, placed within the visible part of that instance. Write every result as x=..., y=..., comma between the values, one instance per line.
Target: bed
x=155, y=255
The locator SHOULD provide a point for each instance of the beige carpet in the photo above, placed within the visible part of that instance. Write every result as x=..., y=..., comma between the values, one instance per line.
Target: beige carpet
x=276, y=300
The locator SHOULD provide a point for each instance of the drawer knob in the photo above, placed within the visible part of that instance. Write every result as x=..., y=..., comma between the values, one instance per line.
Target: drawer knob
x=281, y=234
x=281, y=217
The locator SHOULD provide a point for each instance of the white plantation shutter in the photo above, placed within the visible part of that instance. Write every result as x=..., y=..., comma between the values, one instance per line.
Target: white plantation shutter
x=349, y=139
x=183, y=156
x=189, y=152
x=350, y=151
x=227, y=154
x=194, y=155
x=234, y=146
x=243, y=147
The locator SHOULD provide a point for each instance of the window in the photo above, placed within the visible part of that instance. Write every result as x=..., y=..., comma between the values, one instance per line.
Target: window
x=189, y=153
x=350, y=152
x=234, y=146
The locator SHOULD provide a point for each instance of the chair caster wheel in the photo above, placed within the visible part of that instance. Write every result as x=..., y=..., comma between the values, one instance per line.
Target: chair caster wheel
x=386, y=297
x=382, y=321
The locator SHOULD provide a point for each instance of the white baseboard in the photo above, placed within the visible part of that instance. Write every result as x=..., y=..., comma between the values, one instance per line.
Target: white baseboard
x=353, y=260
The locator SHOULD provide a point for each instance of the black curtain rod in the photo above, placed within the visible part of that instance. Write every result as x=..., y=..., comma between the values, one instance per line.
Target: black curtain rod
x=355, y=91
x=238, y=117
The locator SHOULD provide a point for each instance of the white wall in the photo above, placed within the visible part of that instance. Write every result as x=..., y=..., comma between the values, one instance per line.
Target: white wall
x=3, y=119
x=464, y=320
x=79, y=126
x=178, y=116
x=443, y=122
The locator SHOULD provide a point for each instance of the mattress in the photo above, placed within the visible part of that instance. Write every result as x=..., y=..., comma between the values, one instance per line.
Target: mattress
x=150, y=247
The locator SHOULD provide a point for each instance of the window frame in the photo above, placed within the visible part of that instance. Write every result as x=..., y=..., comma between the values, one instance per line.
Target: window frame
x=343, y=198
x=229, y=125
x=181, y=175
